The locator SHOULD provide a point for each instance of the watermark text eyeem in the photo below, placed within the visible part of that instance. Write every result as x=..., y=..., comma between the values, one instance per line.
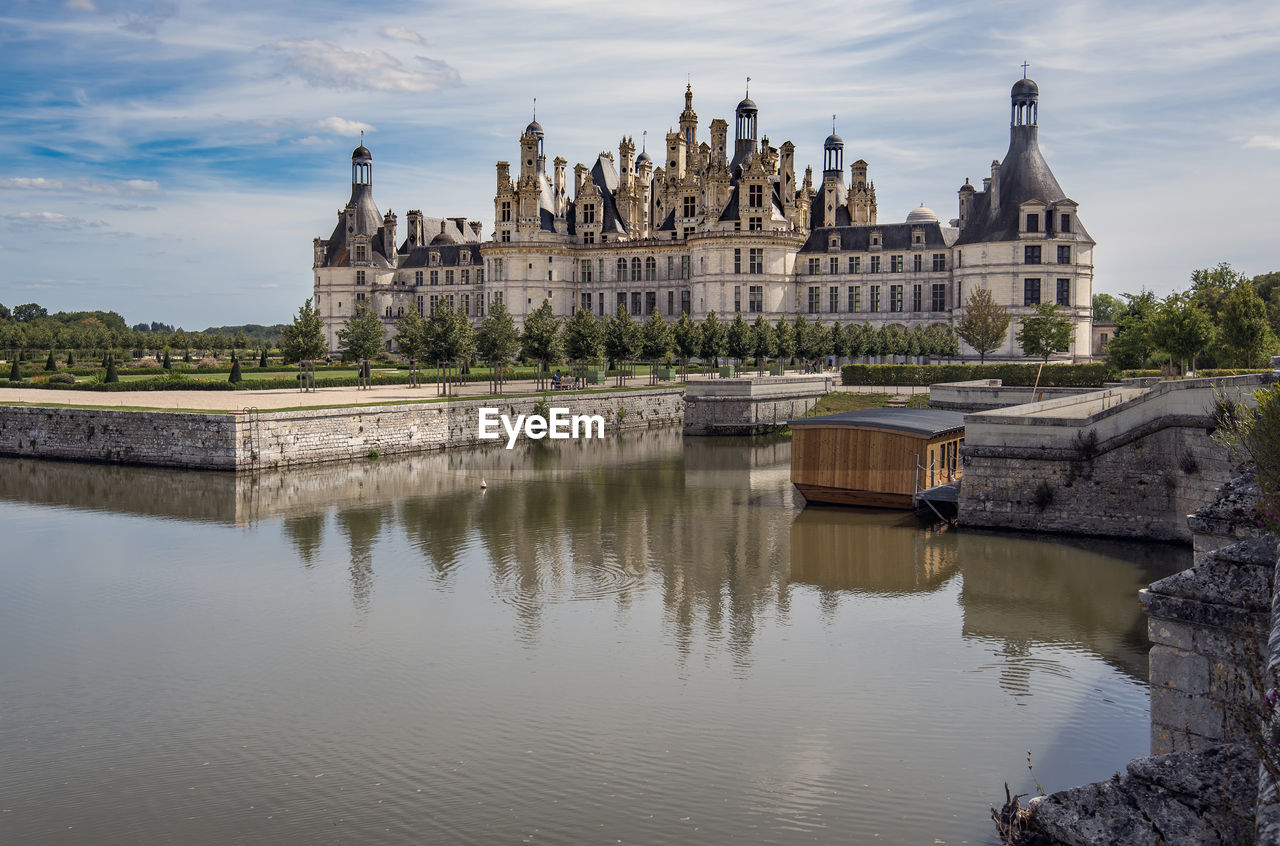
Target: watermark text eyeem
x=559, y=426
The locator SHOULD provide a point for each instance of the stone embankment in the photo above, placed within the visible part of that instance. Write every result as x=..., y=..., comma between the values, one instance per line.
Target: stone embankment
x=750, y=406
x=1130, y=461
x=244, y=441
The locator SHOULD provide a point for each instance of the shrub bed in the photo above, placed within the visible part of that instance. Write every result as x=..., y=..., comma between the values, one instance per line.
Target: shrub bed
x=1015, y=375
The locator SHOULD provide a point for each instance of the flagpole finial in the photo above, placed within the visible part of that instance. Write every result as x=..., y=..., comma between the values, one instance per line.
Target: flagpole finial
x=748, y=87
x=535, y=108
x=1024, y=69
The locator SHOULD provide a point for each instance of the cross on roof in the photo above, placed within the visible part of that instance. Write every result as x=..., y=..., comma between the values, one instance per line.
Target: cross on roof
x=748, y=86
x=1024, y=70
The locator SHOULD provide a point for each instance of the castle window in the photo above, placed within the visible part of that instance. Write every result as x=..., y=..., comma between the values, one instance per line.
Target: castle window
x=635, y=303
x=737, y=298
x=448, y=277
x=360, y=297
x=875, y=264
x=815, y=266
x=917, y=262
x=875, y=239
x=737, y=260
x=855, y=298
x=684, y=266
x=671, y=303
x=506, y=236
x=589, y=213
x=939, y=297
x=585, y=299
x=855, y=264
x=1066, y=223
x=1033, y=223
x=588, y=237
x=479, y=275
x=756, y=259
x=622, y=270
x=417, y=279
x=1031, y=255
x=635, y=270
x=650, y=269
x=434, y=257
x=939, y=261
x=435, y=301
x=755, y=299
x=686, y=302
x=815, y=298
x=435, y=277
x=755, y=196
x=400, y=311
x=690, y=206
x=834, y=265
x=1064, y=292
x=419, y=305
x=895, y=298
x=650, y=302
x=1064, y=254
x=833, y=299
x=466, y=304
x=1031, y=292
x=506, y=212
x=917, y=298
x=586, y=275
x=688, y=230
x=755, y=224
x=465, y=277
x=895, y=264
x=359, y=277
x=464, y=257
x=497, y=272
x=875, y=298
x=362, y=252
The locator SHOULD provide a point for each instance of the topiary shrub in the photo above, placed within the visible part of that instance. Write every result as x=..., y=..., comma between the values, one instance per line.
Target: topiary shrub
x=262, y=360
x=167, y=363
x=112, y=375
x=71, y=358
x=62, y=379
x=15, y=374
x=235, y=371
x=49, y=363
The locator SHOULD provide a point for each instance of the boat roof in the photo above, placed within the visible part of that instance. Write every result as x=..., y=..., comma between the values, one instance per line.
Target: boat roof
x=916, y=421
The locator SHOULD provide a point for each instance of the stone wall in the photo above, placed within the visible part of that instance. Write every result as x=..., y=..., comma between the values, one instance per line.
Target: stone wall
x=240, y=441
x=750, y=405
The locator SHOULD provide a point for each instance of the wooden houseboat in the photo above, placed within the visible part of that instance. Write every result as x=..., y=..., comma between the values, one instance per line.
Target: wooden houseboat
x=878, y=457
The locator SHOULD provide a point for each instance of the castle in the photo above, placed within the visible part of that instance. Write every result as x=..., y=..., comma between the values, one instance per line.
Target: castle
x=714, y=228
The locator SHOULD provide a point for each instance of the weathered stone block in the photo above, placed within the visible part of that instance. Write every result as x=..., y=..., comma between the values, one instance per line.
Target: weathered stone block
x=1179, y=669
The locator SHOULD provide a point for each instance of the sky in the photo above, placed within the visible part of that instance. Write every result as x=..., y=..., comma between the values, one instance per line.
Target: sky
x=173, y=161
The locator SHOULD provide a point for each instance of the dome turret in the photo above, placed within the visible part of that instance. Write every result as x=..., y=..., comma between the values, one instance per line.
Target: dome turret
x=922, y=214
x=361, y=153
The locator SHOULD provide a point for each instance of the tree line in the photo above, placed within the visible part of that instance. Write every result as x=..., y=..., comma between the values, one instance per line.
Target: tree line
x=1225, y=319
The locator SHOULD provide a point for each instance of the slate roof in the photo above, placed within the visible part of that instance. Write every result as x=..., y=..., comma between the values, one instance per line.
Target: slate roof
x=450, y=255
x=917, y=421
x=365, y=221
x=894, y=237
x=1024, y=175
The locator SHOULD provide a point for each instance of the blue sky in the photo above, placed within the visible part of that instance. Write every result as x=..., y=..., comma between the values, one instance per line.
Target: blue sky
x=173, y=160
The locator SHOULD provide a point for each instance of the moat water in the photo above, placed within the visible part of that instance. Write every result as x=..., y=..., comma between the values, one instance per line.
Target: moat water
x=642, y=640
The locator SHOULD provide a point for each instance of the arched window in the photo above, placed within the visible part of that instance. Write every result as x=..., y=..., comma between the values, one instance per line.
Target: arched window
x=622, y=270
x=635, y=270
x=650, y=269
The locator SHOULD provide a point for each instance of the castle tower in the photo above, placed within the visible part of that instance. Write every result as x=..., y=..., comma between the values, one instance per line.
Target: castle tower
x=744, y=139
x=787, y=180
x=833, y=194
x=862, y=195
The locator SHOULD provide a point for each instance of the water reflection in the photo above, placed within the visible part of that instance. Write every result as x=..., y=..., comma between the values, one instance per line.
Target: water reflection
x=713, y=522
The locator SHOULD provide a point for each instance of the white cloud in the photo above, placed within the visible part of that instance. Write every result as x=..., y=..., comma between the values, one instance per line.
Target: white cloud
x=51, y=220
x=328, y=66
x=84, y=186
x=339, y=126
x=311, y=140
x=82, y=5
x=1265, y=142
x=399, y=33
x=31, y=183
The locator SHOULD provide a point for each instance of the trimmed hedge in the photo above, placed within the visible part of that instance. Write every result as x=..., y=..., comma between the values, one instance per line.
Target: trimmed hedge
x=1014, y=375
x=1207, y=373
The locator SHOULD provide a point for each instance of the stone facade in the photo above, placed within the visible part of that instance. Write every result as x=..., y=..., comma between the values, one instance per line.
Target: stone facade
x=750, y=406
x=721, y=225
x=286, y=438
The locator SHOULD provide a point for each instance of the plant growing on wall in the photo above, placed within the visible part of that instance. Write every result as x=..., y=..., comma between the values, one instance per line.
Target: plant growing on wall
x=984, y=324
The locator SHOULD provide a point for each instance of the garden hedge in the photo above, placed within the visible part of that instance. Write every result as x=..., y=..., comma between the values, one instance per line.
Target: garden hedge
x=1091, y=375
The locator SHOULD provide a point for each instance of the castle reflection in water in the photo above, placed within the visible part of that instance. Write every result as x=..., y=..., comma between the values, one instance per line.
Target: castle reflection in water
x=714, y=522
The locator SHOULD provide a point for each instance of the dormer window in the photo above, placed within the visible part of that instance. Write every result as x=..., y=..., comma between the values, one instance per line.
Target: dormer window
x=464, y=257
x=833, y=243
x=875, y=239
x=362, y=252
x=589, y=213
x=434, y=258
x=1033, y=223
x=1066, y=224
x=755, y=196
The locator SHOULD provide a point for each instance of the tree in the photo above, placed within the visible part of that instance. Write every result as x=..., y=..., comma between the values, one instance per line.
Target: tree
x=541, y=340
x=235, y=376
x=764, y=343
x=1181, y=327
x=621, y=336
x=112, y=375
x=838, y=342
x=49, y=363
x=28, y=312
x=303, y=340
x=1131, y=345
x=583, y=336
x=1106, y=308
x=1211, y=285
x=1245, y=331
x=687, y=337
x=262, y=360
x=714, y=340
x=1268, y=287
x=15, y=372
x=984, y=324
x=784, y=339
x=738, y=339
x=361, y=338
x=449, y=336
x=800, y=332
x=5, y=314
x=498, y=340
x=411, y=336
x=1046, y=333
x=167, y=363
x=71, y=358
x=656, y=338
